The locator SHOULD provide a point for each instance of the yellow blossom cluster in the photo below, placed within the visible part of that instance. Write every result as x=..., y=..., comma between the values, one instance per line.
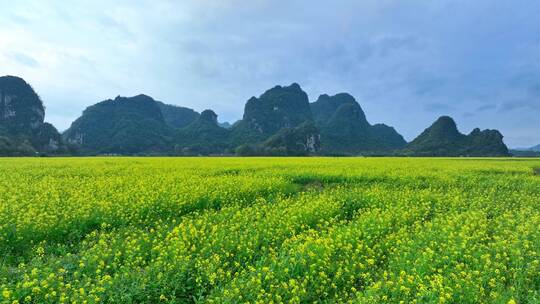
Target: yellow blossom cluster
x=269, y=230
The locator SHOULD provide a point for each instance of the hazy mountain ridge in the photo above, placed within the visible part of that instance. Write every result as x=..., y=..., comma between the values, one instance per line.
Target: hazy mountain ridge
x=281, y=121
x=531, y=149
x=526, y=152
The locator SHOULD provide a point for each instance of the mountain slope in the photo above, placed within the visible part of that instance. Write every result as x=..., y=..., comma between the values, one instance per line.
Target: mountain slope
x=302, y=140
x=345, y=129
x=177, y=117
x=277, y=108
x=21, y=109
x=204, y=136
x=22, y=125
x=326, y=106
x=442, y=138
x=123, y=126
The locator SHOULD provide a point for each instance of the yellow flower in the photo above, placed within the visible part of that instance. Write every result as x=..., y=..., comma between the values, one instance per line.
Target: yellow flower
x=6, y=294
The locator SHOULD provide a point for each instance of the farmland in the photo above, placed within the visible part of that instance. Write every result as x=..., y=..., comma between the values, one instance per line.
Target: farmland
x=269, y=230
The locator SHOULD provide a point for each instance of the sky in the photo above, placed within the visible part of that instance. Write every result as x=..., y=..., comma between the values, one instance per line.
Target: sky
x=406, y=62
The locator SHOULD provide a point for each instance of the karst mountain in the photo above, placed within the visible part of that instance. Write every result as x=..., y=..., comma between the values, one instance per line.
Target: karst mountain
x=279, y=122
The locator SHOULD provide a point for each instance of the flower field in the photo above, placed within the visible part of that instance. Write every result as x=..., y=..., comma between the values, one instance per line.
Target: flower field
x=269, y=230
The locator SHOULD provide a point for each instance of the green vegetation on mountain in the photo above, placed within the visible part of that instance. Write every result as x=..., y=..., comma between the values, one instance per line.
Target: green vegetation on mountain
x=22, y=127
x=442, y=138
x=12, y=146
x=204, y=136
x=485, y=143
x=121, y=126
x=177, y=117
x=386, y=137
x=299, y=141
x=21, y=109
x=524, y=153
x=345, y=129
x=47, y=139
x=278, y=108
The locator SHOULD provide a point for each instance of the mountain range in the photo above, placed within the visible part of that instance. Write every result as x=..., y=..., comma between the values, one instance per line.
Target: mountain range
x=527, y=152
x=535, y=148
x=281, y=121
x=531, y=149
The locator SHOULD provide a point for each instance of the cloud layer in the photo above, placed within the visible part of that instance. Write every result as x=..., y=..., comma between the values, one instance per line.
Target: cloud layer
x=406, y=62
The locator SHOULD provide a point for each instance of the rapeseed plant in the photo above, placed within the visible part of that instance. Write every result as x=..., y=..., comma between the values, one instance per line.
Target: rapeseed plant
x=235, y=230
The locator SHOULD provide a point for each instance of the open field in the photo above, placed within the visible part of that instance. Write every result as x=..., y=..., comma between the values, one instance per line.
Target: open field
x=281, y=230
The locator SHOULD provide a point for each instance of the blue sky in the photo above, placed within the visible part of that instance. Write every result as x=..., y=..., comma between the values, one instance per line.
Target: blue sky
x=406, y=62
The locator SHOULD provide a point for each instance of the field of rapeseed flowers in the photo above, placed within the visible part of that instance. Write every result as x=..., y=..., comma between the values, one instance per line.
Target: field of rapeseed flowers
x=269, y=230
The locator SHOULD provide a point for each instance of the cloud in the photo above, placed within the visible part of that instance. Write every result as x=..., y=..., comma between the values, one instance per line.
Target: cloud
x=480, y=110
x=25, y=60
x=520, y=104
x=438, y=107
x=388, y=44
x=486, y=107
